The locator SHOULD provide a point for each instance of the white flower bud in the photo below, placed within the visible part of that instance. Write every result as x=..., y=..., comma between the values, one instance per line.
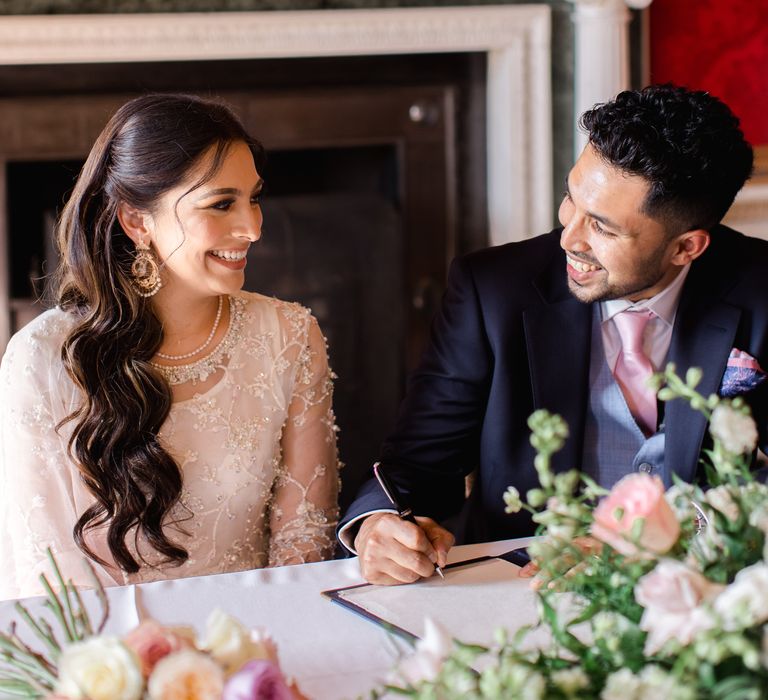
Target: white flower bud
x=512, y=500
x=734, y=430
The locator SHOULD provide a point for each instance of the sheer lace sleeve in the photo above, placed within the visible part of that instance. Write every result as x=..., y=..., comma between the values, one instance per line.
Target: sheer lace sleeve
x=305, y=505
x=37, y=507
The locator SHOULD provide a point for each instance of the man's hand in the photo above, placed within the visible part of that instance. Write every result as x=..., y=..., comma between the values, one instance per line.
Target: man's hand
x=567, y=564
x=394, y=551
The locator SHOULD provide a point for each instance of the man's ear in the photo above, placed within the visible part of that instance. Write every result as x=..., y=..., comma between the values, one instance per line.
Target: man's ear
x=689, y=246
x=137, y=224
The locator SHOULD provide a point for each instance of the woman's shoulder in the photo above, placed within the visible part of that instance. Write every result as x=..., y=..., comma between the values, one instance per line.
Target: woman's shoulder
x=254, y=300
x=32, y=359
x=289, y=328
x=286, y=314
x=43, y=335
x=288, y=323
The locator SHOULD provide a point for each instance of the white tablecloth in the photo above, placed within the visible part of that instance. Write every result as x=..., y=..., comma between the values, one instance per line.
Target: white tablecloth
x=331, y=652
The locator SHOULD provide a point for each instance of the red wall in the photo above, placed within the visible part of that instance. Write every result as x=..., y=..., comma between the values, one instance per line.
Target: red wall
x=716, y=45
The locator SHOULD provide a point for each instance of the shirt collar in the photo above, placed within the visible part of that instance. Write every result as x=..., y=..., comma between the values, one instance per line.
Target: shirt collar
x=664, y=304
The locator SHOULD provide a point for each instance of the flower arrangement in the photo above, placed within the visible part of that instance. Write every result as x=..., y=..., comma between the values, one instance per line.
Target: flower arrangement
x=643, y=594
x=152, y=662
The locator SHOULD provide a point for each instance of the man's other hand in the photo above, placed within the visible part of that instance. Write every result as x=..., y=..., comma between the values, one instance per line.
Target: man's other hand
x=394, y=551
x=568, y=564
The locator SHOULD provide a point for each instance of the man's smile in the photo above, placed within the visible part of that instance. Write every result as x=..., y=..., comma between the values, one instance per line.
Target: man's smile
x=580, y=266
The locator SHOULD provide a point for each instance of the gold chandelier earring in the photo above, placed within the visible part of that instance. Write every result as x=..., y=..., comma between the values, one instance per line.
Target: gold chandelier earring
x=145, y=272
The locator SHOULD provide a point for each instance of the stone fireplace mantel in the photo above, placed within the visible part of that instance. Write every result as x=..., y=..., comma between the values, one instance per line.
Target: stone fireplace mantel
x=516, y=39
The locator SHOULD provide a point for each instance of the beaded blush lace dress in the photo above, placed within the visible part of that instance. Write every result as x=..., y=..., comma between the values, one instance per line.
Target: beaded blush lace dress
x=257, y=453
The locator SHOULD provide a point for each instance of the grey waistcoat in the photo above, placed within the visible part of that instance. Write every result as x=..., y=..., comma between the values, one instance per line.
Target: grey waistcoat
x=614, y=445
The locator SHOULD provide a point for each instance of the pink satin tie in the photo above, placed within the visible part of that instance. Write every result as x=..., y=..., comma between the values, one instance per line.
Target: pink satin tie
x=633, y=368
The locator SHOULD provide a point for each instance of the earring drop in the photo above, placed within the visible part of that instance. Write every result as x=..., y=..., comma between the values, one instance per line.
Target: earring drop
x=145, y=272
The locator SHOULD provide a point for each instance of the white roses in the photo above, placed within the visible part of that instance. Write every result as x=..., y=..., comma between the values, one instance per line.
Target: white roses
x=100, y=668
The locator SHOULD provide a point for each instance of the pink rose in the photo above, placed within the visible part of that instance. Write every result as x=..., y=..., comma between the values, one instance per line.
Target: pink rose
x=672, y=595
x=257, y=680
x=151, y=642
x=635, y=497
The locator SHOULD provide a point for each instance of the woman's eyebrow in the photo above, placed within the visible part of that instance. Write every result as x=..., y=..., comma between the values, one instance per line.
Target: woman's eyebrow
x=220, y=190
x=233, y=191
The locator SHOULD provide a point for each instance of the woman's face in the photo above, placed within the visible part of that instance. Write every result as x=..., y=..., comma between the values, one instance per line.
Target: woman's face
x=203, y=237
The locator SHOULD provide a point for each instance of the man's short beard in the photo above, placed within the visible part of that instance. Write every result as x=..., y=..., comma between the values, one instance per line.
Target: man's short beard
x=608, y=292
x=652, y=274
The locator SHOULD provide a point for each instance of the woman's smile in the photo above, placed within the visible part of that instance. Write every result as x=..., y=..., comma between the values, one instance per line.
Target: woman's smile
x=232, y=259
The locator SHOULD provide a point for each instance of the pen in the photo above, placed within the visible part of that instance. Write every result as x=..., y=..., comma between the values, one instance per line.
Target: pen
x=396, y=498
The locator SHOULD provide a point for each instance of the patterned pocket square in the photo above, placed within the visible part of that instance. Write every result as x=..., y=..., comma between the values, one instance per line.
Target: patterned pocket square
x=742, y=374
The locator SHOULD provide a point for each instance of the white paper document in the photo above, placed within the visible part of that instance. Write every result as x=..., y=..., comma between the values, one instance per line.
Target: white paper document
x=471, y=603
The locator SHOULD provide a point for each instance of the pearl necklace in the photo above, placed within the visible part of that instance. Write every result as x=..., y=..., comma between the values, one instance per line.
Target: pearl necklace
x=199, y=370
x=207, y=342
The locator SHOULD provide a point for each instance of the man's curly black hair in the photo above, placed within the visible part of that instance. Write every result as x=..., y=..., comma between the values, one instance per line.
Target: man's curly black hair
x=687, y=144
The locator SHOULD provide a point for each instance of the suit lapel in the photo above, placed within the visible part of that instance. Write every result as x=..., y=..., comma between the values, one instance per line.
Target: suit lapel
x=557, y=337
x=704, y=333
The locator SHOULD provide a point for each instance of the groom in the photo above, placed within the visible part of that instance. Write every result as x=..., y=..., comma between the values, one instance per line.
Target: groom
x=641, y=273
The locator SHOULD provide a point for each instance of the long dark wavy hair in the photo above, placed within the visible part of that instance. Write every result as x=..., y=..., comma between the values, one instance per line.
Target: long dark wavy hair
x=150, y=146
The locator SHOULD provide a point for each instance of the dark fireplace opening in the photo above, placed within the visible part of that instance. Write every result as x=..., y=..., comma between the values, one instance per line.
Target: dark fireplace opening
x=36, y=192
x=375, y=178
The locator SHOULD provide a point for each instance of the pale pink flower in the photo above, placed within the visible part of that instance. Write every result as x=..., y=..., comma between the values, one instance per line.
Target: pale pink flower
x=720, y=499
x=744, y=602
x=232, y=644
x=151, y=642
x=427, y=659
x=635, y=497
x=673, y=596
x=186, y=675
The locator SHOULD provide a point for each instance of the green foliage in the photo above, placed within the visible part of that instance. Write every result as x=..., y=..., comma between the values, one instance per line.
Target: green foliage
x=597, y=638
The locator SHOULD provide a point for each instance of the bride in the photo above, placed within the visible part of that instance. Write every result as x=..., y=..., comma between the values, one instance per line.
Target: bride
x=159, y=420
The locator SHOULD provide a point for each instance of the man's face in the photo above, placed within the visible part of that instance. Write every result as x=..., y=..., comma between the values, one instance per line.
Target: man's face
x=613, y=250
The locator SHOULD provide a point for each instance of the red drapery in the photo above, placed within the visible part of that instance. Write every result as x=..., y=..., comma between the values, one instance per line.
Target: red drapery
x=716, y=45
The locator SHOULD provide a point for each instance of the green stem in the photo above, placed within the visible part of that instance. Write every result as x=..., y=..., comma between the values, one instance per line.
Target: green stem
x=44, y=685
x=84, y=621
x=35, y=675
x=54, y=604
x=46, y=637
x=102, y=597
x=65, y=591
x=18, y=652
x=18, y=688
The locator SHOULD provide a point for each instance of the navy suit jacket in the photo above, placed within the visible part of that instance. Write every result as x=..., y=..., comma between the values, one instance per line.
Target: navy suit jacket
x=510, y=338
